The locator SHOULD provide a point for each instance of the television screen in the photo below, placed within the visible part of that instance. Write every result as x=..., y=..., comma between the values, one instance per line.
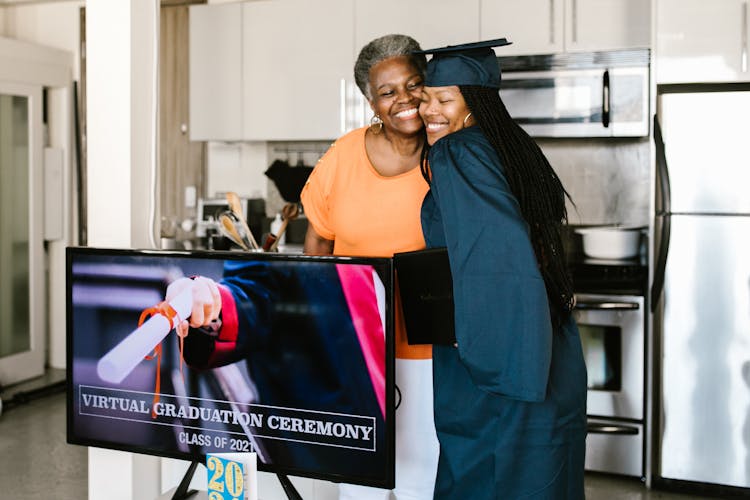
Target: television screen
x=297, y=366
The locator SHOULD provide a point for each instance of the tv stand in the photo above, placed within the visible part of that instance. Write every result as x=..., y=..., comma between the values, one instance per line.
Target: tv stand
x=183, y=491
x=289, y=489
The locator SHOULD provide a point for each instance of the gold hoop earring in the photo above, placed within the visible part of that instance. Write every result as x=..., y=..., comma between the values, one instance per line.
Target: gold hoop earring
x=467, y=117
x=375, y=121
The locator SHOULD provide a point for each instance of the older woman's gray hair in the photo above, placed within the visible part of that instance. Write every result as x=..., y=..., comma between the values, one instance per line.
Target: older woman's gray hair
x=381, y=49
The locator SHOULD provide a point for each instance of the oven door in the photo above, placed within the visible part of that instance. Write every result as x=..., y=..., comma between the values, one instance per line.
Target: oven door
x=612, y=336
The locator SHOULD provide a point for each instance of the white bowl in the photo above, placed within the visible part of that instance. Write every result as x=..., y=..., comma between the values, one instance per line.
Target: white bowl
x=611, y=242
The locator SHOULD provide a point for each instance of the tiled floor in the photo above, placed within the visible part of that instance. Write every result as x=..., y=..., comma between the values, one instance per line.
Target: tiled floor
x=35, y=460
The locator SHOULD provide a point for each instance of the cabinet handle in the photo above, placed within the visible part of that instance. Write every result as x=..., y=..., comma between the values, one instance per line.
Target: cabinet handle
x=552, y=22
x=574, y=15
x=605, y=99
x=342, y=105
x=360, y=108
x=365, y=109
x=744, y=37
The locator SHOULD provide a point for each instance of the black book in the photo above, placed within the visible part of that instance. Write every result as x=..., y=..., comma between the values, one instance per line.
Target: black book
x=426, y=287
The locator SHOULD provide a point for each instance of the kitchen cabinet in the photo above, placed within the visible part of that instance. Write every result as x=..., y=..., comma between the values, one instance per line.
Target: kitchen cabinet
x=432, y=23
x=307, y=91
x=554, y=26
x=282, y=70
x=297, y=57
x=215, y=60
x=271, y=70
x=593, y=25
x=702, y=41
x=268, y=70
x=534, y=26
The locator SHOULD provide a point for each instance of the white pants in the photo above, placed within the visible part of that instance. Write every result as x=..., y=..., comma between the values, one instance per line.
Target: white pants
x=417, y=446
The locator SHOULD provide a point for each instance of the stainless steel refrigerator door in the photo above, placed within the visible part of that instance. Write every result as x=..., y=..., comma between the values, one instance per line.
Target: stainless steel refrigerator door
x=707, y=150
x=706, y=351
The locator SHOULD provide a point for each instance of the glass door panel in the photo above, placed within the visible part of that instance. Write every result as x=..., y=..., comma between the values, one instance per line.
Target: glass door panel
x=602, y=350
x=14, y=249
x=21, y=328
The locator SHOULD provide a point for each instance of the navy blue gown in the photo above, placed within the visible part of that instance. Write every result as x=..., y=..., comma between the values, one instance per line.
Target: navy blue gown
x=510, y=399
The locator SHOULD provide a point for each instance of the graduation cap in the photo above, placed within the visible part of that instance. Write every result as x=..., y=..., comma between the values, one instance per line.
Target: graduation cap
x=464, y=64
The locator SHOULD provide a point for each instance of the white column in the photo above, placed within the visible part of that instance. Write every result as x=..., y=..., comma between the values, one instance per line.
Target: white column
x=120, y=38
x=119, y=49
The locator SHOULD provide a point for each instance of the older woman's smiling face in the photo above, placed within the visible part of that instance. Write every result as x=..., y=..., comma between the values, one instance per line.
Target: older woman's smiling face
x=396, y=86
x=443, y=110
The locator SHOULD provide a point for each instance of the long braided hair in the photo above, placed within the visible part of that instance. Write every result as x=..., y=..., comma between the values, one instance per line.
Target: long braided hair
x=535, y=185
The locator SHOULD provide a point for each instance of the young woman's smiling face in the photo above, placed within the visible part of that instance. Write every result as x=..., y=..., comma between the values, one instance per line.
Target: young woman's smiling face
x=443, y=110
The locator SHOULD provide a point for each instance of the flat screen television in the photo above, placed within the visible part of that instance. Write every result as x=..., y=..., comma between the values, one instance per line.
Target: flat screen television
x=297, y=368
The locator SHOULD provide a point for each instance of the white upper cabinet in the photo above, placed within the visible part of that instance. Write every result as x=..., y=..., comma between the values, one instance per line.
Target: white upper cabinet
x=297, y=56
x=432, y=23
x=534, y=26
x=270, y=70
x=593, y=25
x=554, y=26
x=216, y=72
x=702, y=41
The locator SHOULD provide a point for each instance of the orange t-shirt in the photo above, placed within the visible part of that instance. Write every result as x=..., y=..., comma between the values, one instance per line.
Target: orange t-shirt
x=366, y=214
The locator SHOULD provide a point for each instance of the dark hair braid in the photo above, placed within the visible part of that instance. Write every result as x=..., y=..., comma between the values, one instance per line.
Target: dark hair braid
x=537, y=188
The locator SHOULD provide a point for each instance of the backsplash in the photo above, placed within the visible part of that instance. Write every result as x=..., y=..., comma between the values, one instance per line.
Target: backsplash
x=608, y=179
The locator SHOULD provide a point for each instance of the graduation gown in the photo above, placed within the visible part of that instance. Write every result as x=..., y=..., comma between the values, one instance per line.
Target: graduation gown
x=510, y=399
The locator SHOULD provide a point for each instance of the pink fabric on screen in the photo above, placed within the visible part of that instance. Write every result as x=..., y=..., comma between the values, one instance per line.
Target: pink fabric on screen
x=226, y=343
x=359, y=291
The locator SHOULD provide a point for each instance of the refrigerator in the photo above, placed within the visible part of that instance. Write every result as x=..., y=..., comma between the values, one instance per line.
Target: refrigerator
x=700, y=293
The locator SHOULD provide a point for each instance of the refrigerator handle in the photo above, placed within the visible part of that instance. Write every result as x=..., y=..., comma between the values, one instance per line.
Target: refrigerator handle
x=662, y=171
x=663, y=213
x=657, y=287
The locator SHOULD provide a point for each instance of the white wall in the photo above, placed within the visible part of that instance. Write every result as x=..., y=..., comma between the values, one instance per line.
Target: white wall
x=236, y=167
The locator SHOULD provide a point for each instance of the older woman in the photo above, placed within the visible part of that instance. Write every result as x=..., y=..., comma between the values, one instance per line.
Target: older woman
x=510, y=396
x=363, y=198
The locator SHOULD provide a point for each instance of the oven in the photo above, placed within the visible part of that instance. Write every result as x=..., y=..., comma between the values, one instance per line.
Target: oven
x=611, y=315
x=613, y=340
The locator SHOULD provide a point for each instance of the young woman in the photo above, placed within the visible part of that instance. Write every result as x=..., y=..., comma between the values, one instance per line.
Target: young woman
x=510, y=396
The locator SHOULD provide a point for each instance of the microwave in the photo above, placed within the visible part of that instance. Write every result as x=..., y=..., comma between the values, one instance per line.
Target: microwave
x=593, y=94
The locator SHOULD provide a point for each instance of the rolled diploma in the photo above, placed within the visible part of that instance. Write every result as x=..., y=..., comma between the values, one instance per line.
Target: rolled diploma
x=125, y=356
